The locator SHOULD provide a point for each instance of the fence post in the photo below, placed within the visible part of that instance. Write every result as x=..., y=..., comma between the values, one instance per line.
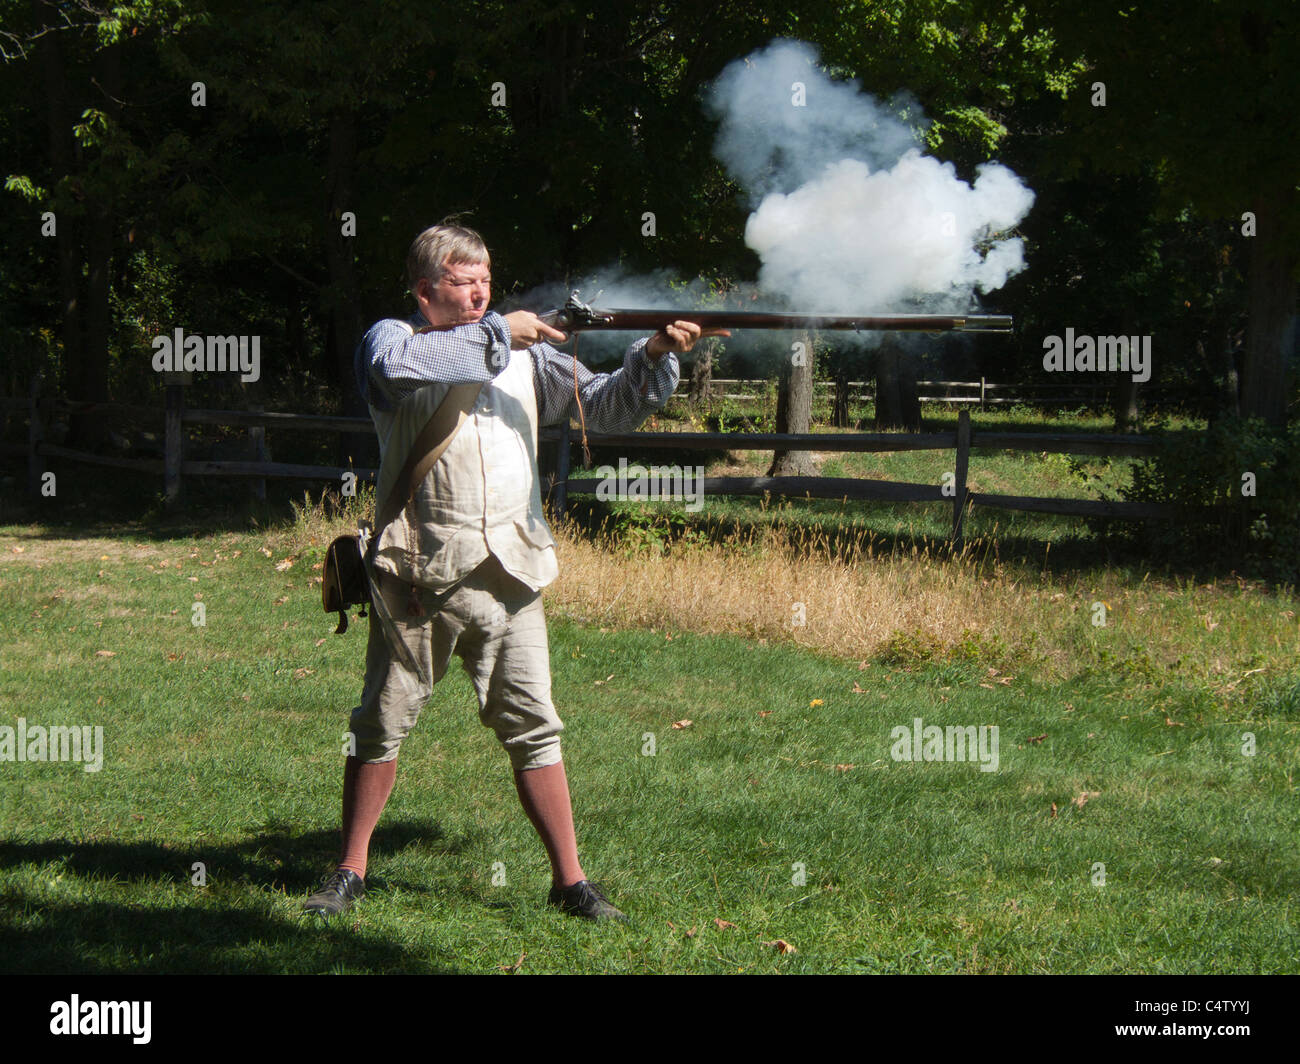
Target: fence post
x=561, y=489
x=981, y=393
x=963, y=465
x=257, y=435
x=173, y=439
x=35, y=435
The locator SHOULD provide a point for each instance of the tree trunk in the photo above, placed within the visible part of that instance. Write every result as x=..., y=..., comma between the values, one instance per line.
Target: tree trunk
x=840, y=409
x=702, y=371
x=1126, y=404
x=1272, y=304
x=90, y=429
x=63, y=152
x=794, y=412
x=343, y=292
x=897, y=405
x=1216, y=352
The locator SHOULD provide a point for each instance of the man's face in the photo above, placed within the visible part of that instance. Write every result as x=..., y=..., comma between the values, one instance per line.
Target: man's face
x=460, y=297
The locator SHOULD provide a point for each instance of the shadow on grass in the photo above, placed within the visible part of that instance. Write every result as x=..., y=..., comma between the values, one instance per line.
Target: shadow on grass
x=211, y=934
x=277, y=859
x=103, y=939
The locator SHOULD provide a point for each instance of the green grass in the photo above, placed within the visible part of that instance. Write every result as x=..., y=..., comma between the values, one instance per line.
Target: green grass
x=223, y=746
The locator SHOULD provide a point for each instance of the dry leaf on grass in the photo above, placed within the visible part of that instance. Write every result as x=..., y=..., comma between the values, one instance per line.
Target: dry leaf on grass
x=1053, y=816
x=1081, y=799
x=782, y=946
x=282, y=566
x=1036, y=738
x=858, y=689
x=764, y=713
x=510, y=969
x=844, y=768
x=722, y=924
x=815, y=703
x=680, y=724
x=105, y=653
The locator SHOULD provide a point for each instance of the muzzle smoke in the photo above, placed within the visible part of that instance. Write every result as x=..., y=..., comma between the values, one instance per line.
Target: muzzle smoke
x=849, y=215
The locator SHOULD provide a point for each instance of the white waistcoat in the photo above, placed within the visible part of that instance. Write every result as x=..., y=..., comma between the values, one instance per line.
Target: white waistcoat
x=482, y=496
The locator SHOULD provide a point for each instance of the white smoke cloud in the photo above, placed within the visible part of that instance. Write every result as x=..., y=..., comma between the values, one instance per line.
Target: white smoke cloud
x=849, y=214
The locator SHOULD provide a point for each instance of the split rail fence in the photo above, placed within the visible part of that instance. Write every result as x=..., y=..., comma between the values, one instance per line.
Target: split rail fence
x=558, y=483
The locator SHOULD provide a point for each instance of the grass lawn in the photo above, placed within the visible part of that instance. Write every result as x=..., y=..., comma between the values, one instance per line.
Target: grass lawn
x=1126, y=829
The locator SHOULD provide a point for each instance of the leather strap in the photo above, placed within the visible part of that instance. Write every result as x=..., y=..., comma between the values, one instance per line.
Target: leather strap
x=434, y=439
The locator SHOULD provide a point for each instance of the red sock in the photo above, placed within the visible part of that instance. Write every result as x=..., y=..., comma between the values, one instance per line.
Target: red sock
x=544, y=794
x=366, y=788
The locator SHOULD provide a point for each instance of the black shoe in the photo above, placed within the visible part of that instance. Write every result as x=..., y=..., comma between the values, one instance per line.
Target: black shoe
x=584, y=899
x=336, y=894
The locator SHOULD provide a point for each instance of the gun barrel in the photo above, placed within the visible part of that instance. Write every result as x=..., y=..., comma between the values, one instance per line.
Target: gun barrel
x=575, y=319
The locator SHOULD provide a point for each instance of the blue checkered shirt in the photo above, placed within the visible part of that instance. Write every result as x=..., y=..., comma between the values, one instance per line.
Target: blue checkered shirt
x=391, y=363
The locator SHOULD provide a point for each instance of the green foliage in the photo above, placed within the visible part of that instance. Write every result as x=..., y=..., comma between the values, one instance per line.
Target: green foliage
x=640, y=530
x=1206, y=477
x=24, y=186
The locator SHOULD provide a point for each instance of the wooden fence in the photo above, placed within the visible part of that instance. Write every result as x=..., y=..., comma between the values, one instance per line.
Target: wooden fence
x=983, y=391
x=558, y=484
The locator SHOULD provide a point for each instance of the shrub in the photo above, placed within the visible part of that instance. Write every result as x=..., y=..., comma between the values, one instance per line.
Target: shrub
x=1205, y=478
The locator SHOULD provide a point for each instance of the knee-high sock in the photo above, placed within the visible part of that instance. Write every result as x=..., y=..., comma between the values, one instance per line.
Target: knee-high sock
x=366, y=788
x=544, y=794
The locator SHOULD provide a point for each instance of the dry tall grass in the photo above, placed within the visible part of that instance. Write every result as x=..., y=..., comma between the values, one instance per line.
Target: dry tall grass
x=926, y=604
x=909, y=606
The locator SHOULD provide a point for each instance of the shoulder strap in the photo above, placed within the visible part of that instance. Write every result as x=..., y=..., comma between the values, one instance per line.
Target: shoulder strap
x=428, y=447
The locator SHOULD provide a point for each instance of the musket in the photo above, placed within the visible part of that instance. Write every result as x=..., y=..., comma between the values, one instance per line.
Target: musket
x=577, y=316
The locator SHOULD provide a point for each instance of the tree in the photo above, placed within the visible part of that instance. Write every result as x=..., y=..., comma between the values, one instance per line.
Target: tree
x=794, y=409
x=1207, y=94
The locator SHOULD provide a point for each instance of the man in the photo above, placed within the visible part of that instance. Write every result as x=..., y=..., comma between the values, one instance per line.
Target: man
x=460, y=570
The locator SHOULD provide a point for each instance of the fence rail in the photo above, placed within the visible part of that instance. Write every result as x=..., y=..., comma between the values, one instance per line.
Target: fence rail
x=983, y=391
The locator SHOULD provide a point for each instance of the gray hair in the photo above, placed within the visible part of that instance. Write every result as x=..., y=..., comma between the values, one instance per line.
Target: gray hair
x=440, y=246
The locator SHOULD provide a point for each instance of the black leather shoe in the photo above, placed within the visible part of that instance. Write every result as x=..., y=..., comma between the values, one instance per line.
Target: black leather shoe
x=584, y=899
x=336, y=894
